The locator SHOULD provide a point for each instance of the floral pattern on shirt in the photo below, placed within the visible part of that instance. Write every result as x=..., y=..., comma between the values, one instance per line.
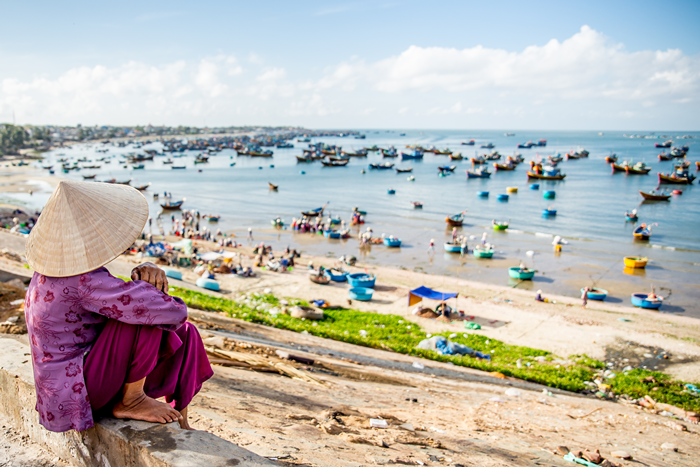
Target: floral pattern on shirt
x=64, y=316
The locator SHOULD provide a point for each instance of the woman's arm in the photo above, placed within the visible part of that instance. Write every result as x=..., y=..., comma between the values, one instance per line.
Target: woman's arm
x=135, y=302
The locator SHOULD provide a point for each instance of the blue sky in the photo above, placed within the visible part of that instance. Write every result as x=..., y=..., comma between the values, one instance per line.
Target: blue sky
x=409, y=64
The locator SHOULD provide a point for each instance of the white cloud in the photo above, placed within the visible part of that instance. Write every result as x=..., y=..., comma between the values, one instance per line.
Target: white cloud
x=584, y=81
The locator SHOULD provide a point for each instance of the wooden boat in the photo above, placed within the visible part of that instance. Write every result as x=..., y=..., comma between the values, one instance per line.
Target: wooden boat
x=172, y=205
x=478, y=173
x=494, y=156
x=456, y=220
x=545, y=177
x=213, y=218
x=143, y=187
x=665, y=144
x=446, y=168
x=642, y=233
x=313, y=212
x=611, y=158
x=631, y=217
x=674, y=179
x=618, y=167
x=325, y=279
x=488, y=146
x=89, y=177
x=273, y=187
x=635, y=262
x=138, y=167
x=415, y=155
x=637, y=169
x=390, y=191
x=500, y=225
x=478, y=160
x=123, y=182
x=354, y=154
x=167, y=161
x=456, y=157
x=595, y=294
x=305, y=159
x=178, y=167
x=384, y=166
x=267, y=153
x=417, y=204
x=471, y=142
x=654, y=197
x=401, y=171
x=391, y=152
x=642, y=300
x=521, y=274
x=504, y=166
x=665, y=157
x=335, y=162
x=479, y=252
x=452, y=247
x=442, y=152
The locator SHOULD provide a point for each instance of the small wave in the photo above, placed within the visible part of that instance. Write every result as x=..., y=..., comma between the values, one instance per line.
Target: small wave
x=540, y=234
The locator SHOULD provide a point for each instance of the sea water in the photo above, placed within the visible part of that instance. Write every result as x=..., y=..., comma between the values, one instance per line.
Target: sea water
x=590, y=203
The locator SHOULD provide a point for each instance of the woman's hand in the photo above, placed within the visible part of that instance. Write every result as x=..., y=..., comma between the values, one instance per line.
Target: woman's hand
x=152, y=274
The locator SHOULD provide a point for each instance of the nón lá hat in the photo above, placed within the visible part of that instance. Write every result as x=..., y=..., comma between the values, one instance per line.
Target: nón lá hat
x=85, y=225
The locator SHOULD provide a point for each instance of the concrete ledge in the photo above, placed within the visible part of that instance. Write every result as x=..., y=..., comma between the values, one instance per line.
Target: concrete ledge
x=111, y=443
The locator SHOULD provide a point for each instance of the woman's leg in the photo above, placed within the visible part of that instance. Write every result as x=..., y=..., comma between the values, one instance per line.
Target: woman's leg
x=116, y=369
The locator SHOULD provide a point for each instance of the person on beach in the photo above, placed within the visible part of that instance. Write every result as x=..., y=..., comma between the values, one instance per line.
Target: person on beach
x=250, y=234
x=100, y=345
x=483, y=239
x=584, y=296
x=431, y=248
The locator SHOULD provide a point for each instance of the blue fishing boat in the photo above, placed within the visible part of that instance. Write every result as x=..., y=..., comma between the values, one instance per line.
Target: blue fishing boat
x=550, y=194
x=362, y=294
x=595, y=294
x=392, y=242
x=535, y=186
x=338, y=275
x=453, y=247
x=360, y=279
x=482, y=194
x=503, y=197
x=478, y=173
x=391, y=191
x=548, y=212
x=521, y=274
x=642, y=300
x=414, y=155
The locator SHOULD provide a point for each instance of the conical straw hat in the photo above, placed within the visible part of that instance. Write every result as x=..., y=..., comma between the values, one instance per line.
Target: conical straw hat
x=85, y=225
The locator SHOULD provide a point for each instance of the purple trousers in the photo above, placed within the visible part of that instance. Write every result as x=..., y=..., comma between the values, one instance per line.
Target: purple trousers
x=174, y=363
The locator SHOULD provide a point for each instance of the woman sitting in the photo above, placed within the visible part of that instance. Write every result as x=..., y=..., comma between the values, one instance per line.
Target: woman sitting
x=101, y=345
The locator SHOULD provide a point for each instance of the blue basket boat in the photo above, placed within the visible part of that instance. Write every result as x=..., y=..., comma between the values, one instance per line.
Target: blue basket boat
x=535, y=186
x=483, y=194
x=392, y=242
x=522, y=274
x=360, y=279
x=550, y=194
x=479, y=253
x=172, y=273
x=391, y=191
x=642, y=300
x=549, y=212
x=503, y=197
x=338, y=275
x=595, y=294
x=453, y=248
x=331, y=234
x=207, y=284
x=362, y=294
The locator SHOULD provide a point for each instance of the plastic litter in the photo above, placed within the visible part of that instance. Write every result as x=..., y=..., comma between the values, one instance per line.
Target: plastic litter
x=579, y=460
x=471, y=325
x=418, y=365
x=693, y=389
x=512, y=392
x=378, y=423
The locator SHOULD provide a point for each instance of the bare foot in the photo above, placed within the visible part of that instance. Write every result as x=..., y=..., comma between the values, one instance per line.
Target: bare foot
x=184, y=423
x=147, y=409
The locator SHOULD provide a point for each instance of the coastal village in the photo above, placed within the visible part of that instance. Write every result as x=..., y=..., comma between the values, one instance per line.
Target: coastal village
x=324, y=361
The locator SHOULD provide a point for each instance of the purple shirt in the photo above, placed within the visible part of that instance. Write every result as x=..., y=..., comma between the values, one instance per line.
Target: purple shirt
x=64, y=318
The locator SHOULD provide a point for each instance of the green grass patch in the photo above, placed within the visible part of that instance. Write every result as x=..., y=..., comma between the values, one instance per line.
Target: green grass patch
x=639, y=383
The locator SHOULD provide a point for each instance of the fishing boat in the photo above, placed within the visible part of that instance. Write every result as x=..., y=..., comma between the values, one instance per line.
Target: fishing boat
x=89, y=177
x=391, y=152
x=594, y=294
x=512, y=189
x=631, y=216
x=178, y=167
x=446, y=168
x=383, y=166
x=640, y=168
x=480, y=252
x=390, y=191
x=361, y=279
x=494, y=156
x=265, y=153
x=545, y=177
x=392, y=242
x=143, y=187
x=313, y=212
x=478, y=160
x=635, y=262
x=488, y=146
x=417, y=204
x=642, y=300
x=324, y=279
x=665, y=157
x=452, y=247
x=442, y=152
x=500, y=225
x=471, y=142
x=272, y=187
x=335, y=162
x=123, y=182
x=524, y=274
x=456, y=220
x=211, y=218
x=547, y=212
x=138, y=167
x=682, y=178
x=482, y=194
x=612, y=158
x=665, y=144
x=653, y=196
x=503, y=197
x=478, y=173
x=172, y=205
x=402, y=171
x=498, y=166
x=167, y=161
x=542, y=142
x=697, y=165
x=527, y=145
x=642, y=233
x=304, y=159
x=456, y=157
x=416, y=154
x=535, y=186
x=360, y=153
